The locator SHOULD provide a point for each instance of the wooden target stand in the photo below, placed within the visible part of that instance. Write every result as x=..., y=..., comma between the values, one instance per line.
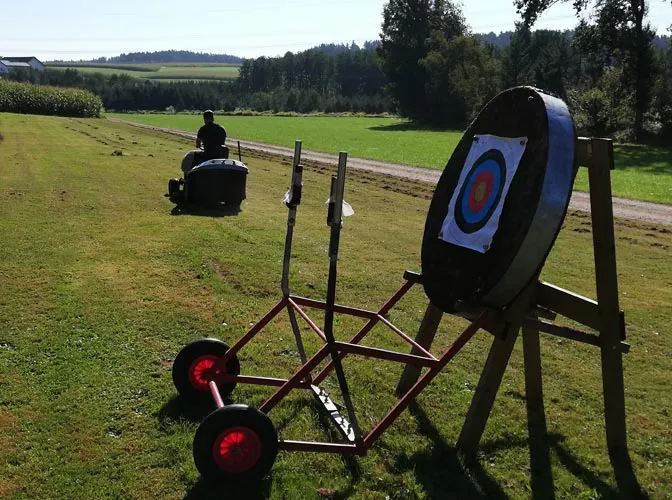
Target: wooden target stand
x=533, y=312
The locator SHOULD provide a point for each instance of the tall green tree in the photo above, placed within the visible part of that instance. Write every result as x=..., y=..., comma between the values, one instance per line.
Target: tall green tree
x=462, y=76
x=663, y=96
x=540, y=58
x=620, y=26
x=407, y=28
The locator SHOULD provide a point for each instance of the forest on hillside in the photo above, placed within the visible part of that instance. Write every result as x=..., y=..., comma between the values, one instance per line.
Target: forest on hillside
x=165, y=56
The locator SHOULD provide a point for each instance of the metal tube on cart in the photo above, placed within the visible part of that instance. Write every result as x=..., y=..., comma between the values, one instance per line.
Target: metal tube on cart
x=334, y=220
x=215, y=394
x=292, y=203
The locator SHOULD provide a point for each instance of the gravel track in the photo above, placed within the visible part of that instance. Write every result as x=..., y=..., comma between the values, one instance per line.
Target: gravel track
x=623, y=208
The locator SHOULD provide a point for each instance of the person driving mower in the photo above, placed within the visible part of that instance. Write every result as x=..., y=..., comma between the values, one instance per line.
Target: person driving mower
x=211, y=138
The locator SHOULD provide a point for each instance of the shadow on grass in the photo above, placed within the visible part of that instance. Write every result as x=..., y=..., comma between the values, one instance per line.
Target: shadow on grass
x=204, y=490
x=406, y=126
x=442, y=471
x=179, y=408
x=445, y=472
x=542, y=485
x=542, y=481
x=649, y=159
x=213, y=211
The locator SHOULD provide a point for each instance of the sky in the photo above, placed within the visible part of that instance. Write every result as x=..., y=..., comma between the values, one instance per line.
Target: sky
x=86, y=29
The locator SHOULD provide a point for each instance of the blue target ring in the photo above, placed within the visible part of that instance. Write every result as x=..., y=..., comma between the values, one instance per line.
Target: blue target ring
x=481, y=191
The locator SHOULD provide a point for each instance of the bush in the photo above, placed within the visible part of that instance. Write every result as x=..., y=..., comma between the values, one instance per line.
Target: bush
x=43, y=100
x=591, y=112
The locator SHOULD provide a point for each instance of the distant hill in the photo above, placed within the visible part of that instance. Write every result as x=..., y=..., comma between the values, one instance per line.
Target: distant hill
x=661, y=42
x=503, y=39
x=187, y=56
x=335, y=49
x=168, y=56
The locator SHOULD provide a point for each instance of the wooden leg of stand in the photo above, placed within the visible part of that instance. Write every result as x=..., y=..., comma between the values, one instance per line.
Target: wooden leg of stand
x=425, y=337
x=487, y=388
x=540, y=458
x=493, y=371
x=606, y=277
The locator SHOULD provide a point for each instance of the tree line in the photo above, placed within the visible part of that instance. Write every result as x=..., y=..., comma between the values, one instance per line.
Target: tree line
x=126, y=93
x=503, y=38
x=608, y=69
x=167, y=56
x=331, y=78
x=611, y=69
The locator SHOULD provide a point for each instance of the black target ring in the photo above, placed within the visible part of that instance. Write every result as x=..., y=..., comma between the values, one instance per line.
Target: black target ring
x=481, y=191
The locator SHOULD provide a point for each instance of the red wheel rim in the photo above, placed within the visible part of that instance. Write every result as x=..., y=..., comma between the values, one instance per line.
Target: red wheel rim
x=202, y=371
x=237, y=450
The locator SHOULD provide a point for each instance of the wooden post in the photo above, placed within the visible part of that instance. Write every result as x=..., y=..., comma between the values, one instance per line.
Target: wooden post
x=607, y=295
x=425, y=337
x=493, y=371
x=486, y=390
x=540, y=458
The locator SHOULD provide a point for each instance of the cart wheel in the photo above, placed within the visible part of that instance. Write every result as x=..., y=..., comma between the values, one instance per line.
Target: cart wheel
x=236, y=442
x=193, y=368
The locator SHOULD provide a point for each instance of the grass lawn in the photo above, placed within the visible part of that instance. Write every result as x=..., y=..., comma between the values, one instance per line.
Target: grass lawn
x=102, y=287
x=642, y=172
x=166, y=71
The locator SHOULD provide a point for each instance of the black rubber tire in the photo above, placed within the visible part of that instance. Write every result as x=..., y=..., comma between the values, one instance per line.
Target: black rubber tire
x=174, y=186
x=216, y=424
x=191, y=353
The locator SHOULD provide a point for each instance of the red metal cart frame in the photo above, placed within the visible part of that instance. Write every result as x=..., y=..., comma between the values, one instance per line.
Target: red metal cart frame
x=355, y=442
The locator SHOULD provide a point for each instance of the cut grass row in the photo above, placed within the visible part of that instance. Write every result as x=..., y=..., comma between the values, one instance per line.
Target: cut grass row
x=642, y=172
x=102, y=287
x=168, y=71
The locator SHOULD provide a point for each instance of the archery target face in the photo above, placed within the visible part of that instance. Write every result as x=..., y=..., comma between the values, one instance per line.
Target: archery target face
x=476, y=205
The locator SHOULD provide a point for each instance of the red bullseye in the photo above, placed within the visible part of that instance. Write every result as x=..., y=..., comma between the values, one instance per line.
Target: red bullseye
x=481, y=191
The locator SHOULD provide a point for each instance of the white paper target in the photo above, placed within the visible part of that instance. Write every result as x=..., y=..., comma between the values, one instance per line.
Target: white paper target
x=476, y=205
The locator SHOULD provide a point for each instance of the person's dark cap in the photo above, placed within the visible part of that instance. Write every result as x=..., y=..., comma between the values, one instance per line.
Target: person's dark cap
x=209, y=114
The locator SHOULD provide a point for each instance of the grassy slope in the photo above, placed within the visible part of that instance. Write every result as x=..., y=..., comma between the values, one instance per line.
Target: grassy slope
x=164, y=71
x=642, y=172
x=102, y=287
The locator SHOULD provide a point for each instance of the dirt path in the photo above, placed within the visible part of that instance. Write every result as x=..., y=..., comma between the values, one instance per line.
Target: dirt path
x=623, y=208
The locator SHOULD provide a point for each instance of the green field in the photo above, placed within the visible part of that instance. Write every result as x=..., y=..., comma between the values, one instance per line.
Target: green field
x=165, y=71
x=103, y=283
x=642, y=172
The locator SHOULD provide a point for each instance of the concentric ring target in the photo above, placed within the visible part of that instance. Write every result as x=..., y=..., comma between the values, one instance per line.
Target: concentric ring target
x=481, y=191
x=500, y=202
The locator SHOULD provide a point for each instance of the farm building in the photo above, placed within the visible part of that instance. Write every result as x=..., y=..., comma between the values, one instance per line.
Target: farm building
x=10, y=63
x=3, y=69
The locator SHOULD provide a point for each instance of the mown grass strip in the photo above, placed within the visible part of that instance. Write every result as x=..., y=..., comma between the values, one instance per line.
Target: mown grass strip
x=642, y=172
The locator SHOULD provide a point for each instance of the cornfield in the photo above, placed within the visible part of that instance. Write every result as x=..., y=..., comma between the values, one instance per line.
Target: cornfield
x=44, y=100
